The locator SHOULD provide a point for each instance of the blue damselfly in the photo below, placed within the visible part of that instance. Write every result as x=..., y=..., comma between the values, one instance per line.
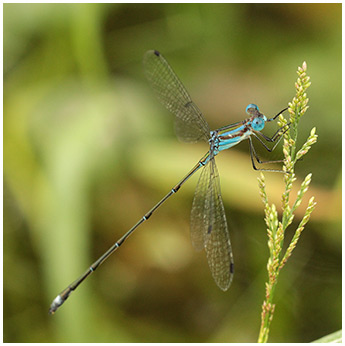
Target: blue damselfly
x=209, y=228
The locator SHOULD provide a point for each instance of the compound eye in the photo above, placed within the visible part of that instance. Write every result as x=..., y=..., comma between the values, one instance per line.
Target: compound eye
x=258, y=124
x=252, y=108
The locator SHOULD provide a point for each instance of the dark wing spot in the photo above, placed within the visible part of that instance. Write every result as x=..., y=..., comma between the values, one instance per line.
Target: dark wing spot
x=157, y=53
x=231, y=268
x=209, y=229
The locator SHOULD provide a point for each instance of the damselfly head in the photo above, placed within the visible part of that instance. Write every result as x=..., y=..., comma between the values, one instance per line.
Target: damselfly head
x=258, y=122
x=252, y=109
x=257, y=119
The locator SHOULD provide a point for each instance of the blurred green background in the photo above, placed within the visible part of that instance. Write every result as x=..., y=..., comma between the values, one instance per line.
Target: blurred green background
x=88, y=150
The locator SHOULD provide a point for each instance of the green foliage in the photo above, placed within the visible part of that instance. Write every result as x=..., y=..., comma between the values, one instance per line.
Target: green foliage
x=276, y=229
x=336, y=337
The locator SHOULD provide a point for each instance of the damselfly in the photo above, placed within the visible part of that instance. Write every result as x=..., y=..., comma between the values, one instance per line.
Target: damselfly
x=209, y=228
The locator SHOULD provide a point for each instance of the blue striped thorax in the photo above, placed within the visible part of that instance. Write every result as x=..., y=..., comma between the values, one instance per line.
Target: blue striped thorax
x=228, y=136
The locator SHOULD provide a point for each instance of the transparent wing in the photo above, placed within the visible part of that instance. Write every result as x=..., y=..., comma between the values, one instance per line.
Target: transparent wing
x=197, y=223
x=209, y=228
x=190, y=125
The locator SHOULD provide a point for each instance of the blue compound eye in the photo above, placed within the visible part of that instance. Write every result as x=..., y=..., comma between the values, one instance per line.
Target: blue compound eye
x=251, y=107
x=258, y=124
